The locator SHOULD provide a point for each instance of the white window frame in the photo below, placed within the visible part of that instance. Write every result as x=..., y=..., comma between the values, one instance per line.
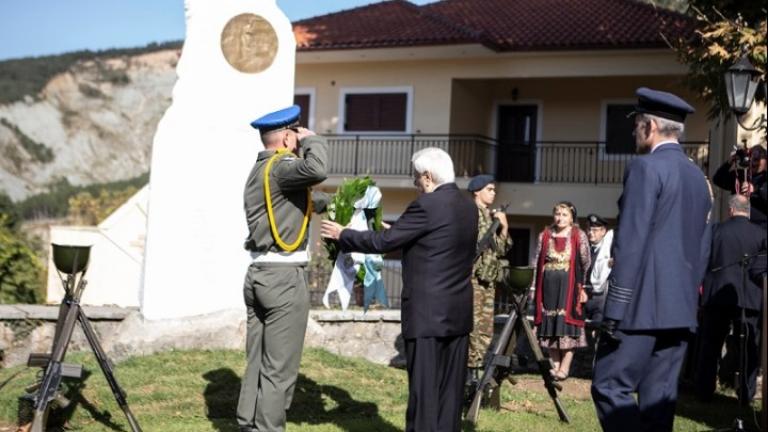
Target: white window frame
x=344, y=91
x=308, y=91
x=603, y=154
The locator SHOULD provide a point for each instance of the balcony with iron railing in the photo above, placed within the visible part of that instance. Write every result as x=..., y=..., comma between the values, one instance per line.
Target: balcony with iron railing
x=581, y=162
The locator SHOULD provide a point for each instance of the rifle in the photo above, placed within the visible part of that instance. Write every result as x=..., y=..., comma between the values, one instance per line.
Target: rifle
x=498, y=362
x=46, y=392
x=485, y=241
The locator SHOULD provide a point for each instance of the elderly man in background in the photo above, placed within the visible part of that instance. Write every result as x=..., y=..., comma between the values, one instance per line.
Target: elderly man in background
x=437, y=234
x=725, y=302
x=600, y=242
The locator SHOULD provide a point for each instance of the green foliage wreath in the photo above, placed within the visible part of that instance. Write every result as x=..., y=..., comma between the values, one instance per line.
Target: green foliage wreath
x=342, y=207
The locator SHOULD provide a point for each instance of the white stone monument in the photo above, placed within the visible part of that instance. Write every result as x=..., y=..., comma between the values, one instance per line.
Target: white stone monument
x=237, y=64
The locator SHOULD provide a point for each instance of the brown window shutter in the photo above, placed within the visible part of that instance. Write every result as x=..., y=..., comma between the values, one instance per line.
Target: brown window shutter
x=392, y=111
x=375, y=112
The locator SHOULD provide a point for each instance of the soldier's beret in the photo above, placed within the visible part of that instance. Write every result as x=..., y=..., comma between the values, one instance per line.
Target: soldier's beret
x=478, y=182
x=662, y=104
x=594, y=220
x=281, y=119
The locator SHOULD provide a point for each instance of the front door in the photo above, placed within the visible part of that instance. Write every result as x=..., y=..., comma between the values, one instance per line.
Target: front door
x=516, y=159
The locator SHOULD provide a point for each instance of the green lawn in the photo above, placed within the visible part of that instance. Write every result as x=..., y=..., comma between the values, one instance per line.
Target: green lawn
x=197, y=391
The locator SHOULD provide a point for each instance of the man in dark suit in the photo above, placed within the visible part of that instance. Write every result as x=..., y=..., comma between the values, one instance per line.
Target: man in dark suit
x=437, y=234
x=659, y=262
x=724, y=299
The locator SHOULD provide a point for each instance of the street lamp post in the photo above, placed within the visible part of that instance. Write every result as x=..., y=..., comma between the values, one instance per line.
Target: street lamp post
x=741, y=83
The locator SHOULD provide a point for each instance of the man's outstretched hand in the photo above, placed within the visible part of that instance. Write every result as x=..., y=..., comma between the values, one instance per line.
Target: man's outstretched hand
x=330, y=230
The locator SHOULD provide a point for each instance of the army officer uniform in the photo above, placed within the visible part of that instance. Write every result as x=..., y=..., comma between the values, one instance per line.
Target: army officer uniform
x=275, y=290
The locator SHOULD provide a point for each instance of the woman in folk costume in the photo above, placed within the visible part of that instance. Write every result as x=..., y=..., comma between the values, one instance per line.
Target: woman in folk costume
x=562, y=258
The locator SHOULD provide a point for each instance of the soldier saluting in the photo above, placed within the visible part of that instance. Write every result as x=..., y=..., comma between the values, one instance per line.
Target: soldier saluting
x=278, y=207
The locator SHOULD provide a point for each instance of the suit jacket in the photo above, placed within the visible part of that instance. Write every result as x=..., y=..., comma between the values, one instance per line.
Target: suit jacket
x=438, y=236
x=731, y=240
x=661, y=245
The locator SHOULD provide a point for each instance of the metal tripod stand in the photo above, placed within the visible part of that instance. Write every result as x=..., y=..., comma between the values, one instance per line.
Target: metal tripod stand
x=70, y=260
x=498, y=364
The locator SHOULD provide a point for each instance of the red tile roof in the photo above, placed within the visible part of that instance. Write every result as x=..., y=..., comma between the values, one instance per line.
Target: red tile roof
x=502, y=25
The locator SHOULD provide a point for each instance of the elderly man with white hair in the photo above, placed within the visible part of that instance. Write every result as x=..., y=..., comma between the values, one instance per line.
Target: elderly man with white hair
x=437, y=234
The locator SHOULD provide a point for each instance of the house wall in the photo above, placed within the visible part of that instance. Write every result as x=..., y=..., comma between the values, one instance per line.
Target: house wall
x=462, y=96
x=432, y=94
x=448, y=98
x=570, y=108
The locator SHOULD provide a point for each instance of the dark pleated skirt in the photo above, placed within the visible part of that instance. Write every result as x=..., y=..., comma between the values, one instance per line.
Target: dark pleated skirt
x=554, y=332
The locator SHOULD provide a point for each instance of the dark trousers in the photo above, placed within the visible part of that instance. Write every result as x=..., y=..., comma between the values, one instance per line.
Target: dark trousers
x=715, y=324
x=593, y=309
x=647, y=363
x=436, y=371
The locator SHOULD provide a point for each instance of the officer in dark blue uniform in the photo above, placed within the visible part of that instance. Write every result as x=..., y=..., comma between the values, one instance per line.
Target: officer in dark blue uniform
x=660, y=254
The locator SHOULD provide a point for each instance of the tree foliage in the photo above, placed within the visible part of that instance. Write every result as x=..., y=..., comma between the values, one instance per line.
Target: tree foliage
x=87, y=208
x=55, y=202
x=21, y=272
x=8, y=212
x=726, y=29
x=28, y=76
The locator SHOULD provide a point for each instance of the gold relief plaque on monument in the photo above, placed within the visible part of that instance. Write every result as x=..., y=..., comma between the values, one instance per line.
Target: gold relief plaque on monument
x=249, y=43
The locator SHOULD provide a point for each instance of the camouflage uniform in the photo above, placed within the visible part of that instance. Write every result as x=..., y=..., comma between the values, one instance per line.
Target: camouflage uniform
x=485, y=273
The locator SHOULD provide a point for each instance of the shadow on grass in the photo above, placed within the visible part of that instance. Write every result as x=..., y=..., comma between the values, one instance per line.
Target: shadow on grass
x=313, y=403
x=59, y=418
x=719, y=414
x=221, y=394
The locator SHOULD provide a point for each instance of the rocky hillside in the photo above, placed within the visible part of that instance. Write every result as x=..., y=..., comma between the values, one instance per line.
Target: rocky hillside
x=92, y=123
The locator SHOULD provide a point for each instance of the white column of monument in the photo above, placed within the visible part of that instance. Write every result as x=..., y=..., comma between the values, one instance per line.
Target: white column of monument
x=237, y=63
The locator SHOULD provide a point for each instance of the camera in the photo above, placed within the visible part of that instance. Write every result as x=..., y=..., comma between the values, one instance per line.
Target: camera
x=742, y=157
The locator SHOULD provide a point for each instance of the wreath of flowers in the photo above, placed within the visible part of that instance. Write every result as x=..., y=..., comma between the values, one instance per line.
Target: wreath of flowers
x=342, y=207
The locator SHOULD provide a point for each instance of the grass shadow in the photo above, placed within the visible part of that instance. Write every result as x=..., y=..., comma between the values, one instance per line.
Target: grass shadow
x=221, y=395
x=59, y=418
x=318, y=404
x=312, y=404
x=719, y=414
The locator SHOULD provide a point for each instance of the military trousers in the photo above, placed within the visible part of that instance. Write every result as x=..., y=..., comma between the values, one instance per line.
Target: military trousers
x=483, y=295
x=277, y=303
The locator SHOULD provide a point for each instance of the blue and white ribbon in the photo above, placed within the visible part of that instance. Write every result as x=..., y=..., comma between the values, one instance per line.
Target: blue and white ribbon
x=347, y=264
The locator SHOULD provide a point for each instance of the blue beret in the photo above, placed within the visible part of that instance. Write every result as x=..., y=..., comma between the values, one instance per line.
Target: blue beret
x=478, y=182
x=281, y=119
x=662, y=104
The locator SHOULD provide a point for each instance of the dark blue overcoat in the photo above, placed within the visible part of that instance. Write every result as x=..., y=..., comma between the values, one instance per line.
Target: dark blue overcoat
x=662, y=242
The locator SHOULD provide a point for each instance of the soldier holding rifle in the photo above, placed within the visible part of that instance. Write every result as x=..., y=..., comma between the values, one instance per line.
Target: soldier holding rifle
x=488, y=267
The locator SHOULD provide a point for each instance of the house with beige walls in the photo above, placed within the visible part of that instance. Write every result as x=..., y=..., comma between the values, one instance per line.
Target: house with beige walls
x=536, y=93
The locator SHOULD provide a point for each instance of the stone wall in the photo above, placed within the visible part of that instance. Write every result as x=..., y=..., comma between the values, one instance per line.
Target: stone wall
x=123, y=333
